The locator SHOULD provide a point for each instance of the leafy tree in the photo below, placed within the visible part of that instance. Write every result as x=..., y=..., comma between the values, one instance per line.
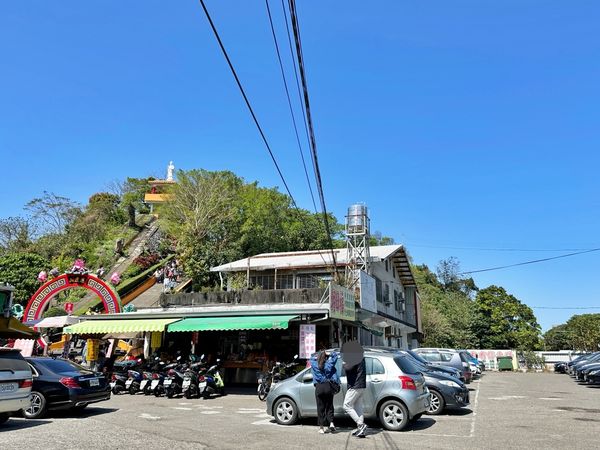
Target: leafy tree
x=133, y=192
x=584, y=332
x=21, y=270
x=557, y=338
x=16, y=234
x=377, y=238
x=447, y=316
x=104, y=206
x=53, y=212
x=504, y=322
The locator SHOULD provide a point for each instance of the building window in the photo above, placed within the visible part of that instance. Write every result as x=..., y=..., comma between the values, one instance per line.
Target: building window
x=386, y=266
x=386, y=294
x=307, y=282
x=285, y=281
x=378, y=290
x=263, y=281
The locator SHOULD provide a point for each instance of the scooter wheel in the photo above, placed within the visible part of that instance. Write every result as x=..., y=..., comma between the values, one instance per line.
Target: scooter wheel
x=222, y=391
x=132, y=390
x=117, y=390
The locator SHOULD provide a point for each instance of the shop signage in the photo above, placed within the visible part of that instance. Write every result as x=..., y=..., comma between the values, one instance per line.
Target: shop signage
x=69, y=308
x=308, y=340
x=156, y=339
x=93, y=347
x=341, y=303
x=368, y=293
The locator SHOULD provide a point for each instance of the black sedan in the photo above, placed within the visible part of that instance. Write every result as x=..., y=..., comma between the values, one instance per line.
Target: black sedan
x=446, y=392
x=62, y=384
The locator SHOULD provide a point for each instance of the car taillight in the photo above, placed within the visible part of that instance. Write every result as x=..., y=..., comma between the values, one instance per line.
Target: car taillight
x=69, y=382
x=407, y=383
x=25, y=384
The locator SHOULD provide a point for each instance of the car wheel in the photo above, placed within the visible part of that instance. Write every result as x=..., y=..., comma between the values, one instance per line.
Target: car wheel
x=37, y=408
x=393, y=415
x=436, y=403
x=3, y=417
x=286, y=411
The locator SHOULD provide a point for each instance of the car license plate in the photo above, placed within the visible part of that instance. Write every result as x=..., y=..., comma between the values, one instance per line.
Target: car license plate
x=168, y=382
x=143, y=384
x=94, y=382
x=154, y=383
x=128, y=383
x=186, y=383
x=8, y=387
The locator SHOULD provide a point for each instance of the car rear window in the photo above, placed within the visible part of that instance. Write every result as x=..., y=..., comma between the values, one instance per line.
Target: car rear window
x=61, y=366
x=406, y=365
x=464, y=357
x=432, y=357
x=12, y=360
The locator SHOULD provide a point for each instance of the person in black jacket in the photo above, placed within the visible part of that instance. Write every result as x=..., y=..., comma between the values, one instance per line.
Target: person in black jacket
x=356, y=375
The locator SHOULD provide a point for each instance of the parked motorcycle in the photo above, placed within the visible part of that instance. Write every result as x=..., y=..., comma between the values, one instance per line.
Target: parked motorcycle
x=133, y=383
x=117, y=383
x=211, y=382
x=278, y=372
x=174, y=381
x=191, y=378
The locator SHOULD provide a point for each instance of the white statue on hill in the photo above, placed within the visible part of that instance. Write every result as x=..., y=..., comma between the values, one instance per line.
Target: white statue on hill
x=170, y=169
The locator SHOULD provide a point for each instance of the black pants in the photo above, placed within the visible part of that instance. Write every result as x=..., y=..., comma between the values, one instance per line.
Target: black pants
x=324, y=396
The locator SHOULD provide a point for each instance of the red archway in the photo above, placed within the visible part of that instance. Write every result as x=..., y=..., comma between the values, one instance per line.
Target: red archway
x=37, y=304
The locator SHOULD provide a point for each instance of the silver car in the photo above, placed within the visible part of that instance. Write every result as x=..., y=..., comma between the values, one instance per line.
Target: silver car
x=395, y=395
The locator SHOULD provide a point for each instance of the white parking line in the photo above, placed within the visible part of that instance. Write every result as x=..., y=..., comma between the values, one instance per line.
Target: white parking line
x=472, y=434
x=210, y=412
x=180, y=408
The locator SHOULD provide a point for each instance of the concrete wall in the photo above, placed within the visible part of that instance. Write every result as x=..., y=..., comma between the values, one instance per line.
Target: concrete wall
x=253, y=297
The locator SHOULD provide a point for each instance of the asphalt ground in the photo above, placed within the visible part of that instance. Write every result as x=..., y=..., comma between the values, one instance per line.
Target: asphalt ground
x=508, y=410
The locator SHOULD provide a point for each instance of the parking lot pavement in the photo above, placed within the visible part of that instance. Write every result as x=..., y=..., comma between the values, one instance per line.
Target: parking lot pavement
x=508, y=410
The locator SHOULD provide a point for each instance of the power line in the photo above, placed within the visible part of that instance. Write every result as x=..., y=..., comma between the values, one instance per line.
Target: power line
x=532, y=262
x=289, y=39
x=313, y=143
x=237, y=80
x=572, y=307
x=287, y=93
x=498, y=249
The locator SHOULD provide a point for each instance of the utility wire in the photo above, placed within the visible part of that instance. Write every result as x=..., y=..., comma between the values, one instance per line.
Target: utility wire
x=532, y=262
x=287, y=93
x=237, y=80
x=573, y=307
x=497, y=249
x=289, y=38
x=313, y=144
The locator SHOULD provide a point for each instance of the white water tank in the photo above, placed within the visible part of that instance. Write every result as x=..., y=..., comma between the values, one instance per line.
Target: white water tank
x=357, y=218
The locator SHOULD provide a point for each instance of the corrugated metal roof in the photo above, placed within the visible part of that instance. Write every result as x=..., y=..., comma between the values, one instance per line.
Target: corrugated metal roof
x=320, y=259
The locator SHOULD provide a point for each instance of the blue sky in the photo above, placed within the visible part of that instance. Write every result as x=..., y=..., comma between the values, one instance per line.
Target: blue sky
x=460, y=124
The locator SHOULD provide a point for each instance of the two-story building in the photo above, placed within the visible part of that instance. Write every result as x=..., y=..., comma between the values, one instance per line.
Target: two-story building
x=388, y=312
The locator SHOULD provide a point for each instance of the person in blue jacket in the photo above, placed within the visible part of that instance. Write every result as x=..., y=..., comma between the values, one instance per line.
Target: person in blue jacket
x=324, y=372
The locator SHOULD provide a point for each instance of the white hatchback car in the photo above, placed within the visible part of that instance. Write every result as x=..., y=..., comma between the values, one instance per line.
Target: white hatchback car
x=15, y=383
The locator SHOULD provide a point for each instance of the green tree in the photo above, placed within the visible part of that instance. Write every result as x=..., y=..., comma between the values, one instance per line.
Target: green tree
x=132, y=197
x=16, y=234
x=504, y=322
x=53, y=212
x=448, y=316
x=584, y=332
x=21, y=271
x=557, y=338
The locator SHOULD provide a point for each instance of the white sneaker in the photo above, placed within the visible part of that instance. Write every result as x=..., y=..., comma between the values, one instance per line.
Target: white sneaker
x=361, y=430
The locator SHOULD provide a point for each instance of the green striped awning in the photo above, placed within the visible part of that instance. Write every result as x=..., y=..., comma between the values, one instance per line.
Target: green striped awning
x=118, y=326
x=232, y=323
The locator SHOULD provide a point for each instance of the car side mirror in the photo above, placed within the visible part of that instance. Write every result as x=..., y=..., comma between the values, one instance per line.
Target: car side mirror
x=307, y=377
